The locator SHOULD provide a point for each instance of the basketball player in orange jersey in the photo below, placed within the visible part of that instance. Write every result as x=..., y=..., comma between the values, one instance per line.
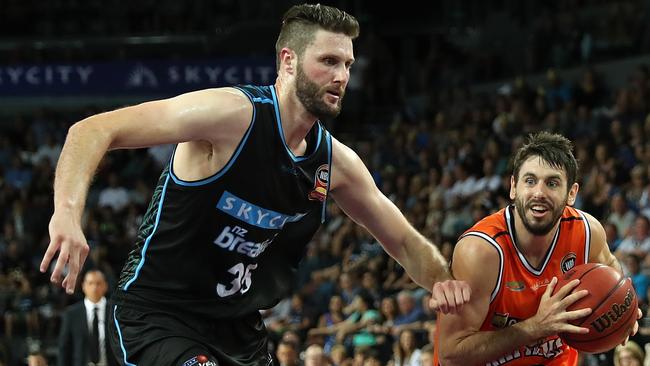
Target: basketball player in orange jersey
x=512, y=259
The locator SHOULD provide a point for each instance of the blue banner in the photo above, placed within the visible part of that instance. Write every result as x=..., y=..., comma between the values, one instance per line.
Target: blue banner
x=156, y=78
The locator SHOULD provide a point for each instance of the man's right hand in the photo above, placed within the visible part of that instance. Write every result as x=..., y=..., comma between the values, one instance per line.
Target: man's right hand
x=67, y=238
x=552, y=317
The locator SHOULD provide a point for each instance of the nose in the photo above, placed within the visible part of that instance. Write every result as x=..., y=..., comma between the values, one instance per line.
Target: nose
x=342, y=74
x=538, y=191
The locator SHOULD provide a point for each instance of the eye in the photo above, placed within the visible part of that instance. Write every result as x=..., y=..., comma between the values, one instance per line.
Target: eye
x=529, y=181
x=553, y=184
x=330, y=61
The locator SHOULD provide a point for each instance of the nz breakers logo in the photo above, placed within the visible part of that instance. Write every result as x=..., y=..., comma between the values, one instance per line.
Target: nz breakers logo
x=322, y=176
x=200, y=360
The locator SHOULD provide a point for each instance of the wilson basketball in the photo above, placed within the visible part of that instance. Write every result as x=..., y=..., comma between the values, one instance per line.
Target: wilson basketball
x=613, y=302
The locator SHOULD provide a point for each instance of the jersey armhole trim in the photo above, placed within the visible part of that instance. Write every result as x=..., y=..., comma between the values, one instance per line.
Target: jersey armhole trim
x=487, y=238
x=328, y=138
x=232, y=159
x=587, y=235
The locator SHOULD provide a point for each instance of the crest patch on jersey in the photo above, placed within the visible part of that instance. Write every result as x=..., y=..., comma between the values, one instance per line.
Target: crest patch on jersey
x=199, y=360
x=515, y=285
x=500, y=320
x=321, y=178
x=568, y=262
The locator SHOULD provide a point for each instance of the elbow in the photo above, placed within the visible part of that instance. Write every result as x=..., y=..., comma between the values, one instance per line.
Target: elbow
x=92, y=129
x=449, y=357
x=451, y=361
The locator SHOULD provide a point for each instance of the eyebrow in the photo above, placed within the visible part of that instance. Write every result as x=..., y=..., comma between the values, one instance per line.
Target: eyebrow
x=552, y=176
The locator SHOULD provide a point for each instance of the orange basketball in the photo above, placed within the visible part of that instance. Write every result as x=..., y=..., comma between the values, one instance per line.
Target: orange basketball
x=613, y=302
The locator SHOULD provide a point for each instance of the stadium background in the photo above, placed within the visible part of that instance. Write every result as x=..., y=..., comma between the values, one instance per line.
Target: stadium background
x=439, y=98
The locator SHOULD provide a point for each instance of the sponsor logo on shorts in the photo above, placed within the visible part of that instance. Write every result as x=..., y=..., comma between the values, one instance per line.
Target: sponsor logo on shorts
x=199, y=360
x=568, y=262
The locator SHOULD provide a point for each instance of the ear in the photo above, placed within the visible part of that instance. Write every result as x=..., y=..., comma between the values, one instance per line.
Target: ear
x=513, y=192
x=573, y=193
x=287, y=60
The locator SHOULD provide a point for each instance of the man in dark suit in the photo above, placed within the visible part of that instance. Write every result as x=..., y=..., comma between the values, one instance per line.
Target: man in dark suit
x=82, y=340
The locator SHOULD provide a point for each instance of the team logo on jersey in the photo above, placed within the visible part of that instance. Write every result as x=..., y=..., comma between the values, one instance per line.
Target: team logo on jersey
x=321, y=178
x=515, y=285
x=500, y=320
x=199, y=360
x=568, y=262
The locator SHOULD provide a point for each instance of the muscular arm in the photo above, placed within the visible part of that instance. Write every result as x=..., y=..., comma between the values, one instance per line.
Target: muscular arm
x=215, y=115
x=188, y=117
x=461, y=342
x=356, y=193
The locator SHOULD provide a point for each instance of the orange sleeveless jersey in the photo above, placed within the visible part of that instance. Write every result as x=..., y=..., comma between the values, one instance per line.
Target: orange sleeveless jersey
x=520, y=286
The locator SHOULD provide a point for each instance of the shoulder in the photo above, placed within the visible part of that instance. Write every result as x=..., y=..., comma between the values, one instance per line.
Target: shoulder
x=596, y=229
x=479, y=261
x=342, y=155
x=347, y=166
x=476, y=247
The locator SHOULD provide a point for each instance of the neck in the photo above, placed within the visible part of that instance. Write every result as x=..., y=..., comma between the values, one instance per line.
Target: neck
x=296, y=121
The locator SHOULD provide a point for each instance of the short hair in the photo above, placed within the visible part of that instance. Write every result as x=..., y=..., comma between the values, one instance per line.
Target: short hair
x=554, y=149
x=300, y=23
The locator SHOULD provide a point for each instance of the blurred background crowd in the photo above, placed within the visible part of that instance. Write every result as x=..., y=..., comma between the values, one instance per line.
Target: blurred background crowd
x=438, y=101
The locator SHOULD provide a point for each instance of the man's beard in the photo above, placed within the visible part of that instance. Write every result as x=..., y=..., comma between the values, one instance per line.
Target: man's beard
x=311, y=96
x=535, y=228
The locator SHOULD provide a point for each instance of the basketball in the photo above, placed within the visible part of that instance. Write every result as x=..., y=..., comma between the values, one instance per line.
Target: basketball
x=613, y=302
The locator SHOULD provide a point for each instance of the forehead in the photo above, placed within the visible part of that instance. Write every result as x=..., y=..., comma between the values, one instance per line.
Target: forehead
x=326, y=42
x=540, y=168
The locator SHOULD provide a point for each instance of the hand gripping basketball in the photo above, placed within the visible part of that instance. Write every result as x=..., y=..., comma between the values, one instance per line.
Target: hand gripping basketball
x=613, y=301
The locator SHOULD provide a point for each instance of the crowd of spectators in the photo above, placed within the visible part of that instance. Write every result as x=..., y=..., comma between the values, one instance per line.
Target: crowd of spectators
x=440, y=152
x=487, y=39
x=444, y=170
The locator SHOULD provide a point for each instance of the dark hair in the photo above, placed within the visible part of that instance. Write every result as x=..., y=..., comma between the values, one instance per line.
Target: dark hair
x=554, y=149
x=300, y=23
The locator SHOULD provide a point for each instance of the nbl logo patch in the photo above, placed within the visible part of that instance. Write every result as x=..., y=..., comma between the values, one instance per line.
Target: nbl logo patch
x=199, y=360
x=568, y=262
x=322, y=176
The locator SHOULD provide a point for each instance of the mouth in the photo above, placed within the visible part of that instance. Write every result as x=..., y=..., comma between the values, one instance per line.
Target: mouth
x=333, y=94
x=539, y=210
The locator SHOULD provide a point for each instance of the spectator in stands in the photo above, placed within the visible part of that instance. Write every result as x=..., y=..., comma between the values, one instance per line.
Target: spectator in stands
x=287, y=354
x=620, y=214
x=410, y=315
x=638, y=241
x=405, y=350
x=611, y=233
x=629, y=354
x=314, y=356
x=632, y=268
x=36, y=358
x=114, y=196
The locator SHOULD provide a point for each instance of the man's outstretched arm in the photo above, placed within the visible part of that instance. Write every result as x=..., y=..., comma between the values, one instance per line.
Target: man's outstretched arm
x=210, y=115
x=356, y=193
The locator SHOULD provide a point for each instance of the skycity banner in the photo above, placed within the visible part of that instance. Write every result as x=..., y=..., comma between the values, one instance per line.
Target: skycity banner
x=159, y=78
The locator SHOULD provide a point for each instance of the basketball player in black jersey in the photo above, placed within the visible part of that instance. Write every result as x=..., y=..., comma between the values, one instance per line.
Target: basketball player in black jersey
x=243, y=194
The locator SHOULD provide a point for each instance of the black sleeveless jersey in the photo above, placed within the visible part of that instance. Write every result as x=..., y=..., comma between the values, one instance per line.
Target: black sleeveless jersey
x=230, y=244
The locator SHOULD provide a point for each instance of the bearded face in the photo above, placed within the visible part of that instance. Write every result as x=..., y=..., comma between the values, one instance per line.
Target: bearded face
x=540, y=195
x=538, y=216
x=312, y=96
